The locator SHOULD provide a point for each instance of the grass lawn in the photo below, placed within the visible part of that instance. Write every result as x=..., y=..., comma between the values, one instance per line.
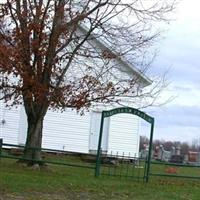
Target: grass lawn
x=63, y=182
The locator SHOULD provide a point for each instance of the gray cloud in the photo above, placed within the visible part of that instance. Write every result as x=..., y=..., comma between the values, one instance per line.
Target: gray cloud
x=174, y=122
x=176, y=115
x=182, y=88
x=181, y=68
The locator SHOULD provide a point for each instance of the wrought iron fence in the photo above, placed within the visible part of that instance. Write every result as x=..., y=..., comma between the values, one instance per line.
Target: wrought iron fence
x=123, y=166
x=114, y=164
x=177, y=170
x=49, y=156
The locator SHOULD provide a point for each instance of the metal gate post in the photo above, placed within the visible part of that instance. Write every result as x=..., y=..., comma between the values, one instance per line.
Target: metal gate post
x=98, y=159
x=150, y=149
x=1, y=144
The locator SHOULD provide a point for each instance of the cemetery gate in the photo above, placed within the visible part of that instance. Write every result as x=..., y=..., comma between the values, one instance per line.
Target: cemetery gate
x=114, y=164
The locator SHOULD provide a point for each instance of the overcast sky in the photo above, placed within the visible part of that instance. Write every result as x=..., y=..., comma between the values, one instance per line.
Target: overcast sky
x=180, y=51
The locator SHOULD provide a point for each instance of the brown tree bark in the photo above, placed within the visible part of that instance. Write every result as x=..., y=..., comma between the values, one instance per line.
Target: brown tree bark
x=35, y=118
x=33, y=145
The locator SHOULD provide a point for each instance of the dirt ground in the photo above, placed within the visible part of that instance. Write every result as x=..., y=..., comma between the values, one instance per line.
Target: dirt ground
x=55, y=196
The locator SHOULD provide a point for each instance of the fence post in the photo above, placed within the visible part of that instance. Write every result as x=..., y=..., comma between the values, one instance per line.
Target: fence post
x=1, y=144
x=149, y=153
x=98, y=157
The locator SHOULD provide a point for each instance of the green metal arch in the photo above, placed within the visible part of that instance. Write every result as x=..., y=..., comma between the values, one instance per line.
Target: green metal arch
x=126, y=110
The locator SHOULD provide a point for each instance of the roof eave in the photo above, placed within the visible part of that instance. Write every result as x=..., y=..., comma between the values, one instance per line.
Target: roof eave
x=146, y=81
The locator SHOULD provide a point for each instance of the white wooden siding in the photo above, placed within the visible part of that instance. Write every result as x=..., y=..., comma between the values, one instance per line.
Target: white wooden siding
x=66, y=131
x=1, y=119
x=123, y=135
x=9, y=130
x=71, y=132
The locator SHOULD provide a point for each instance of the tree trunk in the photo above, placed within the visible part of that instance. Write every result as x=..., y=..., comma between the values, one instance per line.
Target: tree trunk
x=32, y=152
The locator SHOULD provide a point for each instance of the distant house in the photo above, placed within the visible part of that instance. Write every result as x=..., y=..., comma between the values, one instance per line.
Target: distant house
x=71, y=132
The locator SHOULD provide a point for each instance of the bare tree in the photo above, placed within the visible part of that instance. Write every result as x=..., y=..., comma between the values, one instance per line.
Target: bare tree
x=48, y=60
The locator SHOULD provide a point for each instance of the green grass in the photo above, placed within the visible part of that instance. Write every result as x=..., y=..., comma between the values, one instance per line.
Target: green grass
x=63, y=182
x=192, y=171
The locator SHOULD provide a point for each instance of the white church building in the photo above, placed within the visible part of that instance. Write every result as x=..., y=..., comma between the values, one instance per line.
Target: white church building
x=70, y=131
